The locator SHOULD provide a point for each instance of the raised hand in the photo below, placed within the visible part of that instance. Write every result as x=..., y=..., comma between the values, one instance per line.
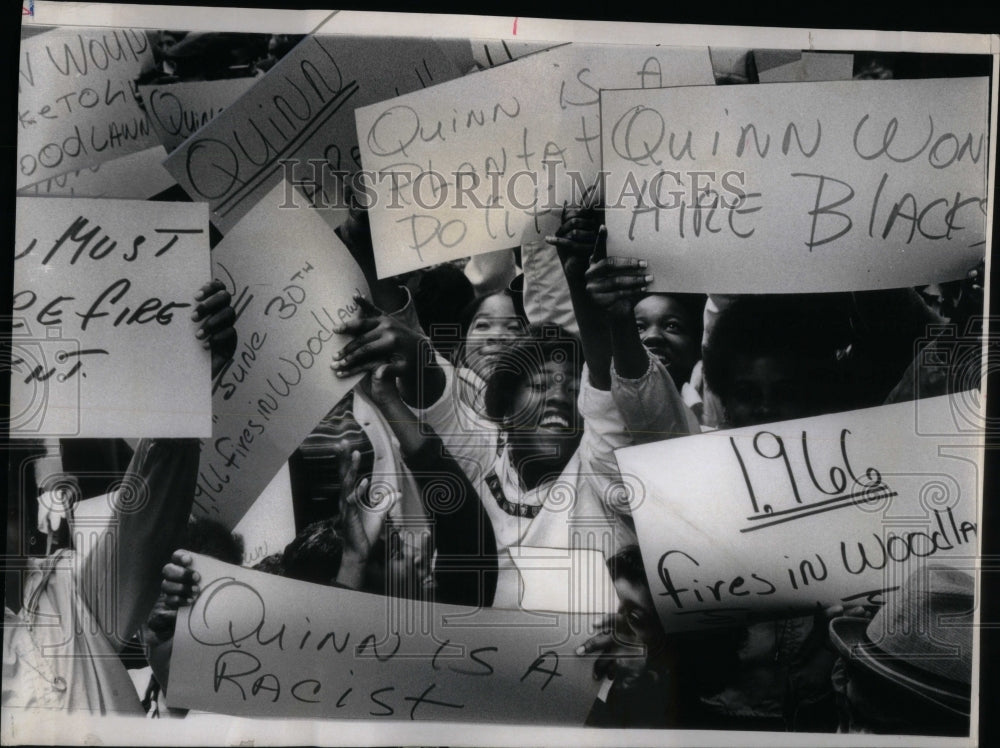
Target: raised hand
x=216, y=317
x=378, y=339
x=619, y=652
x=178, y=587
x=362, y=516
x=616, y=284
x=576, y=239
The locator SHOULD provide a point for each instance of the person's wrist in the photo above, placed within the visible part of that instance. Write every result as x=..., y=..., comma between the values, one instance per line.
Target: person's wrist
x=352, y=566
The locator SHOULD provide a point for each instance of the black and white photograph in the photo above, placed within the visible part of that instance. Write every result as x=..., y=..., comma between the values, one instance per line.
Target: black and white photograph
x=412, y=379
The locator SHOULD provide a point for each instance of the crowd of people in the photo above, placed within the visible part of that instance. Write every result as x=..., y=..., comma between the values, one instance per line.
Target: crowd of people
x=494, y=393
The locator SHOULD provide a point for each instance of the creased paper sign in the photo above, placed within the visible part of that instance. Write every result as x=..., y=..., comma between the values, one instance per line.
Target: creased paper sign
x=301, y=111
x=137, y=176
x=261, y=645
x=177, y=110
x=490, y=53
x=465, y=167
x=291, y=280
x=269, y=524
x=103, y=343
x=76, y=105
x=798, y=187
x=838, y=509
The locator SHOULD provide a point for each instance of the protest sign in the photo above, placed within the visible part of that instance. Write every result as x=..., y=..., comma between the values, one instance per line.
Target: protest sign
x=562, y=580
x=300, y=112
x=465, y=167
x=834, y=509
x=489, y=53
x=261, y=645
x=103, y=342
x=269, y=524
x=291, y=280
x=138, y=176
x=76, y=103
x=798, y=187
x=177, y=110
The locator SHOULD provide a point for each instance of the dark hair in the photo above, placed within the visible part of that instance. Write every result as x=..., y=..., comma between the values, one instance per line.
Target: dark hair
x=315, y=554
x=808, y=328
x=211, y=538
x=627, y=564
x=523, y=357
x=272, y=564
x=440, y=296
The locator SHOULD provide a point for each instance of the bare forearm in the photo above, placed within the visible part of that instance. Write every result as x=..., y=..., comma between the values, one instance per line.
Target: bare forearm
x=594, y=335
x=152, y=510
x=630, y=356
x=404, y=426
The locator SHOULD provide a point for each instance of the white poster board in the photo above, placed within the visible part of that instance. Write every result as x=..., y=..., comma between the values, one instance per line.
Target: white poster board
x=798, y=187
x=261, y=645
x=76, y=103
x=291, y=280
x=103, y=341
x=773, y=520
x=463, y=168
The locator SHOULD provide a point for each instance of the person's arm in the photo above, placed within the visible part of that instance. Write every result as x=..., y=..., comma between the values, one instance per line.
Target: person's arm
x=362, y=516
x=380, y=338
x=466, y=563
x=179, y=586
x=154, y=502
x=615, y=285
x=578, y=238
x=641, y=386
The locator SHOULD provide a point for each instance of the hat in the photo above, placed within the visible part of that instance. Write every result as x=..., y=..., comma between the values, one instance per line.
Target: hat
x=920, y=640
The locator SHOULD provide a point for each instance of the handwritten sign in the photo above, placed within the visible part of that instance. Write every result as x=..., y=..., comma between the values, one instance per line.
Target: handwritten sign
x=256, y=644
x=177, y=110
x=137, y=176
x=300, y=112
x=798, y=187
x=269, y=524
x=465, y=167
x=291, y=280
x=103, y=342
x=490, y=53
x=76, y=105
x=832, y=510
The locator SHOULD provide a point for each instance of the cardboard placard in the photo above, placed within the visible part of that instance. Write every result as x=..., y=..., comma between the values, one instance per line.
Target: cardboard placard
x=465, y=167
x=291, y=280
x=798, y=187
x=76, y=105
x=103, y=342
x=262, y=645
x=300, y=114
x=772, y=520
x=177, y=110
x=138, y=176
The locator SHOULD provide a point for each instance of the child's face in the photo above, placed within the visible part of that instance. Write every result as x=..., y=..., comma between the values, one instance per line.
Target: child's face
x=637, y=607
x=543, y=411
x=768, y=389
x=669, y=333
x=495, y=322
